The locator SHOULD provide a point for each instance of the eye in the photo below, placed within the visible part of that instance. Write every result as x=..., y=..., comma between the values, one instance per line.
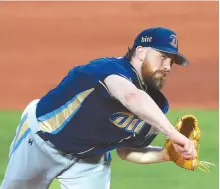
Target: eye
x=173, y=61
x=163, y=57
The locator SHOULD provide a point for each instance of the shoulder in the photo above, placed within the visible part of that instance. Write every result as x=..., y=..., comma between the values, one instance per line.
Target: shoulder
x=102, y=67
x=106, y=64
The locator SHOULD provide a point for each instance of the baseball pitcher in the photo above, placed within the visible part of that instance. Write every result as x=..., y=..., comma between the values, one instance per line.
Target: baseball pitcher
x=109, y=103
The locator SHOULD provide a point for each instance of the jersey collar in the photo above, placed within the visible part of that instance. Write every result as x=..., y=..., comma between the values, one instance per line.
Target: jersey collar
x=132, y=69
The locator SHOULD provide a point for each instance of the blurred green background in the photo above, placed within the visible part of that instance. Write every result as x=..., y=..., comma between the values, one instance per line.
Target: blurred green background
x=155, y=176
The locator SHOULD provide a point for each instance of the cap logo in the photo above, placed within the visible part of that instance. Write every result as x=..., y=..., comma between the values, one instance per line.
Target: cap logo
x=146, y=39
x=174, y=41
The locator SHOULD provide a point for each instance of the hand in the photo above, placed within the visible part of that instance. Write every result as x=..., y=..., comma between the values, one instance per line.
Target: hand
x=183, y=145
x=186, y=148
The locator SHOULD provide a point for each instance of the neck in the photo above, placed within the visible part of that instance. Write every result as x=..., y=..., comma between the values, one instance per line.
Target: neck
x=136, y=63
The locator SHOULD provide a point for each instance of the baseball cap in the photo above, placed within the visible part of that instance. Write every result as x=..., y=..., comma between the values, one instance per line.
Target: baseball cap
x=161, y=39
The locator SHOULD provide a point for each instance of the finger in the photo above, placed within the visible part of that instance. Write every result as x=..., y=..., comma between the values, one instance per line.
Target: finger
x=186, y=146
x=190, y=150
x=187, y=156
x=179, y=148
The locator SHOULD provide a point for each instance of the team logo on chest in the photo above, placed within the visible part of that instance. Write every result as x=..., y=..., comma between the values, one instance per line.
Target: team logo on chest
x=128, y=121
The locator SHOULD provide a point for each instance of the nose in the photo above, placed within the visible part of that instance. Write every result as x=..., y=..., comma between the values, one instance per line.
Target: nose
x=167, y=68
x=167, y=65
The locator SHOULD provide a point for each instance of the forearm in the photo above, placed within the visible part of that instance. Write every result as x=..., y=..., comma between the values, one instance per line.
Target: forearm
x=148, y=155
x=142, y=105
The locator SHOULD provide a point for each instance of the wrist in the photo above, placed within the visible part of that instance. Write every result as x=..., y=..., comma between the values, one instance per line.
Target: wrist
x=176, y=136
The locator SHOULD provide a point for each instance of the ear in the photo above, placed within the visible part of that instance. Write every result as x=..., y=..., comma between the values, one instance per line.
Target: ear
x=140, y=53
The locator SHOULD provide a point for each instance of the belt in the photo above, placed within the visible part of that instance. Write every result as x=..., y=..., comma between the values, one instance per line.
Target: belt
x=90, y=159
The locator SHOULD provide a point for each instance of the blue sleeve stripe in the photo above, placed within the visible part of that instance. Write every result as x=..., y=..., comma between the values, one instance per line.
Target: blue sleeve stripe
x=57, y=111
x=23, y=119
x=63, y=115
x=65, y=122
x=19, y=141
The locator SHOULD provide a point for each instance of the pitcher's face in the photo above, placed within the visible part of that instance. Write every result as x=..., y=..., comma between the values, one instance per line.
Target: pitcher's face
x=155, y=67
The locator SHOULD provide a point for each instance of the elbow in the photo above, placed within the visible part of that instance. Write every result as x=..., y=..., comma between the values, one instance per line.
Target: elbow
x=122, y=153
x=131, y=97
x=122, y=157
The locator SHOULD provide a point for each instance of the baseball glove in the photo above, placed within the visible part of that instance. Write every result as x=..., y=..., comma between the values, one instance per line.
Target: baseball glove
x=188, y=126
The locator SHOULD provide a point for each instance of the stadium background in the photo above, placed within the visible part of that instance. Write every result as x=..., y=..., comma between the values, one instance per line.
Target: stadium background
x=41, y=41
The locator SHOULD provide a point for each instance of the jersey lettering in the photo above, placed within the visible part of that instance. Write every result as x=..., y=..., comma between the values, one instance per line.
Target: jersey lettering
x=127, y=121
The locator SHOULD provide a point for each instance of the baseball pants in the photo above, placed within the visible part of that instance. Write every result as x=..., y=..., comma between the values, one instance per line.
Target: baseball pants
x=34, y=163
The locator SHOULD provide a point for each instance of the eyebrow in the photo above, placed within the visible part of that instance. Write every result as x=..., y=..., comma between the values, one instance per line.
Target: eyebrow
x=172, y=56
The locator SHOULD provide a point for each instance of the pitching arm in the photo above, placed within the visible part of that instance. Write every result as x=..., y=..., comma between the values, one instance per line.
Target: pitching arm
x=147, y=155
x=142, y=105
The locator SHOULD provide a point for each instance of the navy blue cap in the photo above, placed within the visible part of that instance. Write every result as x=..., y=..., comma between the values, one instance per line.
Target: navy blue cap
x=161, y=39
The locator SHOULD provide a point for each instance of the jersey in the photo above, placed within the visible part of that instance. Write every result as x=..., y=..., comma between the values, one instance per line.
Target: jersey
x=80, y=116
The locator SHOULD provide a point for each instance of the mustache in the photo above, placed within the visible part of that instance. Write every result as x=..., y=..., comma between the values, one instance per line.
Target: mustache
x=151, y=79
x=161, y=71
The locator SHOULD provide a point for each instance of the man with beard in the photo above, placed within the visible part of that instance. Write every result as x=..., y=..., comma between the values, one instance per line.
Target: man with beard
x=109, y=103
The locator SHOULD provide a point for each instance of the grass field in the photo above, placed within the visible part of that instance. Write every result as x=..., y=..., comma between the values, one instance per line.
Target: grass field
x=126, y=175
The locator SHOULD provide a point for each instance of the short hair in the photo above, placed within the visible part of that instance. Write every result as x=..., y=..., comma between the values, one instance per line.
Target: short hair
x=130, y=53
